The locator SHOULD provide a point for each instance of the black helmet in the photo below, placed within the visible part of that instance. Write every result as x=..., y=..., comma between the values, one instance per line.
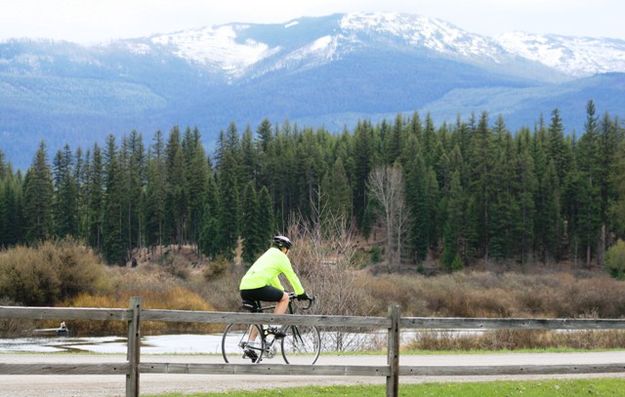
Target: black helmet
x=282, y=241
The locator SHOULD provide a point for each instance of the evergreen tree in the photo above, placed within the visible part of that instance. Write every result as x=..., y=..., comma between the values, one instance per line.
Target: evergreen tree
x=38, y=194
x=155, y=193
x=65, y=194
x=453, y=239
x=336, y=192
x=393, y=141
x=134, y=170
x=482, y=185
x=557, y=149
x=113, y=247
x=210, y=239
x=176, y=202
x=548, y=213
x=95, y=199
x=81, y=175
x=609, y=142
x=266, y=220
x=229, y=168
x=11, y=221
x=250, y=231
x=589, y=217
x=505, y=212
x=197, y=173
x=416, y=201
x=527, y=184
x=363, y=164
x=3, y=166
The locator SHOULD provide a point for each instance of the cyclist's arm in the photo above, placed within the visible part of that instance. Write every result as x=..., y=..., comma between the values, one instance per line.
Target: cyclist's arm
x=277, y=284
x=290, y=275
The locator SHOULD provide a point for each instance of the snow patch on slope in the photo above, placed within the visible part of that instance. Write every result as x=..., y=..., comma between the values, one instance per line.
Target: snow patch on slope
x=218, y=47
x=575, y=56
x=425, y=32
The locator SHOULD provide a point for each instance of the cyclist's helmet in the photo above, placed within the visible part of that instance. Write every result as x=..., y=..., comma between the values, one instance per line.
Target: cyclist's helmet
x=282, y=241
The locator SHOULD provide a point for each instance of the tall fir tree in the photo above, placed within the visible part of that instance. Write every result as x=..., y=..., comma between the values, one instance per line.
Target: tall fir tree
x=134, y=170
x=481, y=163
x=176, y=202
x=250, y=230
x=589, y=186
x=266, y=221
x=363, y=164
x=38, y=196
x=210, y=238
x=453, y=237
x=527, y=185
x=95, y=199
x=155, y=193
x=65, y=194
x=229, y=169
x=113, y=247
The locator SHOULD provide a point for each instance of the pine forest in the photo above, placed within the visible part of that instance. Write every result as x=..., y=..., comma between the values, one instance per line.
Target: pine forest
x=451, y=194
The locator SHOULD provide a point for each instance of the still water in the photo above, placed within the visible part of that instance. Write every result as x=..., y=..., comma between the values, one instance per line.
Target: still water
x=194, y=344
x=158, y=344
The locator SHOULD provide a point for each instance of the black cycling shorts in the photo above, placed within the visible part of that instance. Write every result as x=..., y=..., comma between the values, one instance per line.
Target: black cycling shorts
x=266, y=293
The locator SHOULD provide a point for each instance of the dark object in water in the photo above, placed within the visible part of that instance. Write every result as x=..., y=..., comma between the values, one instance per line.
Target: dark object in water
x=62, y=330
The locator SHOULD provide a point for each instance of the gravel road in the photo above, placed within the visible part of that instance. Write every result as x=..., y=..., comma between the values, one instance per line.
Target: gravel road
x=113, y=385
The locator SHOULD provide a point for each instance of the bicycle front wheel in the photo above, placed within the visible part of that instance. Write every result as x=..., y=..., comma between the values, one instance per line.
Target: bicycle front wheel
x=301, y=345
x=235, y=346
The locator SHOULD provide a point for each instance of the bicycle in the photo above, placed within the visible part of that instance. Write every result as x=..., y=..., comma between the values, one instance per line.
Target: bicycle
x=299, y=344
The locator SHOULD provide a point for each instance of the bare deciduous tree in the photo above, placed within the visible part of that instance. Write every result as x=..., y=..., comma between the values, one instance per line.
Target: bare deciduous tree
x=324, y=256
x=386, y=185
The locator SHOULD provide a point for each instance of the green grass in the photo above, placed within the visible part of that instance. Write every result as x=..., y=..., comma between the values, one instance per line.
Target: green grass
x=546, y=388
x=422, y=352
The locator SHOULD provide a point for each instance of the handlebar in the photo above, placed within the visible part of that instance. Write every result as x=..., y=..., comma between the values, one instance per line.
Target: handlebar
x=311, y=300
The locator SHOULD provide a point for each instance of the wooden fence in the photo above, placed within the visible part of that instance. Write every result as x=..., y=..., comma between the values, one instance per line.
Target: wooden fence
x=133, y=367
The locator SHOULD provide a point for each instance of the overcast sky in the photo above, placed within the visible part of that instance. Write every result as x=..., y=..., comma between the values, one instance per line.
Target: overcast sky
x=90, y=21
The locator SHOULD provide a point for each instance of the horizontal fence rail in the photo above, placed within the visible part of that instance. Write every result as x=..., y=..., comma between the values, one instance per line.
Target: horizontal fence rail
x=243, y=318
x=134, y=315
x=509, y=323
x=64, y=313
x=64, y=369
x=264, y=369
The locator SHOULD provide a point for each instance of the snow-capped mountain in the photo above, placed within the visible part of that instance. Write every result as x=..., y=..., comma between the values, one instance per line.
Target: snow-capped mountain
x=244, y=50
x=315, y=71
x=574, y=56
x=241, y=50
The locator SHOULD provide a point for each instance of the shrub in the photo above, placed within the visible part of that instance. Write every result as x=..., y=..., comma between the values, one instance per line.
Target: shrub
x=157, y=291
x=49, y=273
x=216, y=268
x=376, y=254
x=507, y=339
x=615, y=260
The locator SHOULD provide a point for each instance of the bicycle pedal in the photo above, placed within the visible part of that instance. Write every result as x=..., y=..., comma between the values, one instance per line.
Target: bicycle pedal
x=249, y=353
x=276, y=332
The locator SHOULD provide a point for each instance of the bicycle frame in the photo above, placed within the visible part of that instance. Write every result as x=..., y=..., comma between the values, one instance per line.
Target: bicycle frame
x=291, y=338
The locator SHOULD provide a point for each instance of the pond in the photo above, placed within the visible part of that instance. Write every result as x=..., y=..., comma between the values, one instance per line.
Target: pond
x=197, y=344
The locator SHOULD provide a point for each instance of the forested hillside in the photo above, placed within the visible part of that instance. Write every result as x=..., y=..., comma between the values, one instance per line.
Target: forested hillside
x=455, y=193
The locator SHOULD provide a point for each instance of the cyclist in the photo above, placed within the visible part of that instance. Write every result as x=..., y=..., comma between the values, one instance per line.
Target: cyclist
x=261, y=283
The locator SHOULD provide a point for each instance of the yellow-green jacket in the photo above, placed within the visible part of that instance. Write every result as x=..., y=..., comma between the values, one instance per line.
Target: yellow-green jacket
x=267, y=268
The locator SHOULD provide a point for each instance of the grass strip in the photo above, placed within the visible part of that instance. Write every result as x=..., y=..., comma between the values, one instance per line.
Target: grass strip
x=604, y=387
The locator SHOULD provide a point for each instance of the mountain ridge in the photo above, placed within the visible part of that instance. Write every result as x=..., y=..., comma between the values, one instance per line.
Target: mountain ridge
x=311, y=70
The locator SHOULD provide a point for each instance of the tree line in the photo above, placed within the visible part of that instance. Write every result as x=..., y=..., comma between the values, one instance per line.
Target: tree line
x=460, y=192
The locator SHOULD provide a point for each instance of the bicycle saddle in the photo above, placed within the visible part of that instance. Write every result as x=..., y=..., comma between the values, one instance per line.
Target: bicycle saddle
x=250, y=305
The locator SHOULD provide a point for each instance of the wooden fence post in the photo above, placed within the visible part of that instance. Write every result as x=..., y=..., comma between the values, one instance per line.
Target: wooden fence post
x=134, y=349
x=392, y=380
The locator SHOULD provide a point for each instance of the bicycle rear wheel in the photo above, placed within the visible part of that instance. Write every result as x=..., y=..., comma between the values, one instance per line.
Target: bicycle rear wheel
x=234, y=344
x=301, y=345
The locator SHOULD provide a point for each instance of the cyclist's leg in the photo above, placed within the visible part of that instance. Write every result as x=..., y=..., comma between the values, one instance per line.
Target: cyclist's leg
x=283, y=304
x=266, y=294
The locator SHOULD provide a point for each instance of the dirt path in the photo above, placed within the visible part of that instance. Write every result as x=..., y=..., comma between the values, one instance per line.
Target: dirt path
x=113, y=385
